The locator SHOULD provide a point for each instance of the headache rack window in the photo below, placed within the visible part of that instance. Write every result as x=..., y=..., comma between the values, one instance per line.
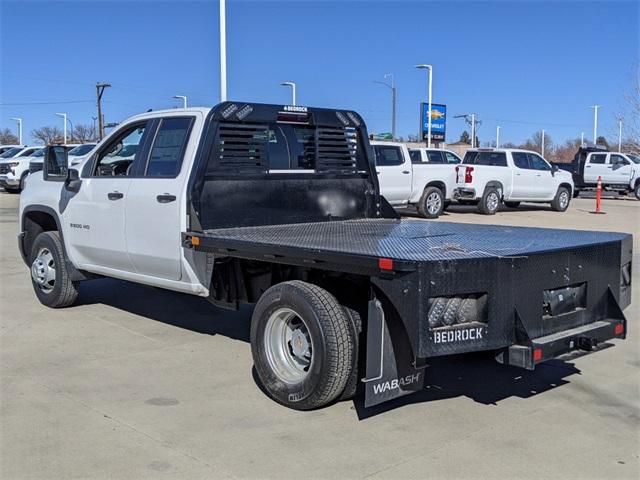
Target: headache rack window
x=240, y=148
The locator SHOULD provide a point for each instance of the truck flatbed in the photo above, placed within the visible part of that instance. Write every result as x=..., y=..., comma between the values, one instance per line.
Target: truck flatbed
x=404, y=240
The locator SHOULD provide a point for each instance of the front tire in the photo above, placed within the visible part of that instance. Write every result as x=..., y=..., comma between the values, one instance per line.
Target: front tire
x=490, y=202
x=561, y=201
x=303, y=345
x=636, y=191
x=431, y=204
x=49, y=275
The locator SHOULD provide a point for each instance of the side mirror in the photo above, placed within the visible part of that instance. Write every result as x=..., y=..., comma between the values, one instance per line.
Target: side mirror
x=55, y=164
x=73, y=181
x=554, y=169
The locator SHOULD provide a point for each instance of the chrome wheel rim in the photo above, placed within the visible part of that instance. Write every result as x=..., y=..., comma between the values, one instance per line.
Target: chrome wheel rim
x=564, y=200
x=433, y=203
x=492, y=201
x=288, y=345
x=43, y=270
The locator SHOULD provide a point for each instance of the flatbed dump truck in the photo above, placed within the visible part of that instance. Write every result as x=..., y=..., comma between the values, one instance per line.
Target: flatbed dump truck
x=279, y=206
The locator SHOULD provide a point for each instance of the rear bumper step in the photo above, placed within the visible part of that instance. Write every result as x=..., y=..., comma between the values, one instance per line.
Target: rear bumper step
x=585, y=337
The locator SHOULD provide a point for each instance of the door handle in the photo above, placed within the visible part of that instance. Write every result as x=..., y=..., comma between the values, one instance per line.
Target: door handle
x=406, y=172
x=115, y=195
x=588, y=166
x=166, y=198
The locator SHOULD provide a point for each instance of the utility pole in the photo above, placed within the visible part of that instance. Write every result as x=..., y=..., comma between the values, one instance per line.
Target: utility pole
x=498, y=136
x=391, y=86
x=64, y=119
x=542, y=149
x=19, y=120
x=473, y=125
x=595, y=123
x=99, y=91
x=582, y=139
x=223, y=51
x=620, y=135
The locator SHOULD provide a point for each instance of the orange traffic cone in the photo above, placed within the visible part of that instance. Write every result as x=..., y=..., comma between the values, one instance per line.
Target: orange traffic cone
x=599, y=197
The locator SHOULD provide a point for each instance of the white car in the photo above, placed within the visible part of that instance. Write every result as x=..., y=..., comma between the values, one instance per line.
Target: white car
x=424, y=178
x=487, y=177
x=14, y=168
x=5, y=148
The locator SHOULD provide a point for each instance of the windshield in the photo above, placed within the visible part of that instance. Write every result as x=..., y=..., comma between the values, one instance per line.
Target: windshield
x=11, y=152
x=38, y=153
x=81, y=149
x=634, y=158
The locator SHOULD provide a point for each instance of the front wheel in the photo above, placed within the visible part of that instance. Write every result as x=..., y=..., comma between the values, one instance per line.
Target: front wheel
x=49, y=275
x=636, y=191
x=561, y=201
x=303, y=345
x=431, y=204
x=490, y=202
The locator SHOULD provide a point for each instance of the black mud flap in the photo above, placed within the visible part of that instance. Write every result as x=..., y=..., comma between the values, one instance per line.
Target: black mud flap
x=392, y=371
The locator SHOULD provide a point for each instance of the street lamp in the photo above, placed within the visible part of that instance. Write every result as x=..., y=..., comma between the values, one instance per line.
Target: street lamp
x=619, y=135
x=19, y=120
x=223, y=52
x=498, y=136
x=293, y=91
x=595, y=123
x=542, y=148
x=64, y=116
x=391, y=86
x=183, y=98
x=430, y=68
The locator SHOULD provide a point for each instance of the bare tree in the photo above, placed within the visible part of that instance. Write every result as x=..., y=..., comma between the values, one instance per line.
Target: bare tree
x=630, y=115
x=48, y=135
x=7, y=137
x=84, y=134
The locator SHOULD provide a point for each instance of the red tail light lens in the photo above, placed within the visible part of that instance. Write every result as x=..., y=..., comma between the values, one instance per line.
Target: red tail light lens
x=618, y=329
x=385, y=263
x=537, y=354
x=468, y=175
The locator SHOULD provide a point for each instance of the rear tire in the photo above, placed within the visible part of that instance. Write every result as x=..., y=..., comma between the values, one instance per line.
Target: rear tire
x=512, y=204
x=562, y=199
x=490, y=202
x=303, y=345
x=353, y=382
x=636, y=191
x=431, y=204
x=49, y=275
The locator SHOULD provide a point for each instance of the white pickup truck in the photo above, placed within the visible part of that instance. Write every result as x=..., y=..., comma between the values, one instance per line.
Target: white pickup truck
x=15, y=168
x=416, y=177
x=618, y=171
x=487, y=177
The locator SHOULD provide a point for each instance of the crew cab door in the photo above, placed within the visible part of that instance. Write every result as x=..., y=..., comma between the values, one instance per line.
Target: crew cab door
x=595, y=166
x=94, y=225
x=394, y=173
x=544, y=185
x=619, y=169
x=155, y=206
x=524, y=177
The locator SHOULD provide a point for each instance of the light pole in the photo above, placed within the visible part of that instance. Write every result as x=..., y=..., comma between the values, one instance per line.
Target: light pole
x=582, y=139
x=19, y=120
x=424, y=66
x=223, y=52
x=498, y=136
x=392, y=86
x=183, y=98
x=473, y=125
x=293, y=90
x=64, y=117
x=542, y=148
x=595, y=123
x=620, y=135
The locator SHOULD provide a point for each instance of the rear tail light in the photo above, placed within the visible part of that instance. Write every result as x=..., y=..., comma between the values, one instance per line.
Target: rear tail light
x=385, y=263
x=537, y=354
x=618, y=329
x=468, y=175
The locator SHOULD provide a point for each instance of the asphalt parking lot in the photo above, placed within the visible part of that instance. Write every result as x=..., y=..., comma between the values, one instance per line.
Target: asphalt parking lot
x=135, y=382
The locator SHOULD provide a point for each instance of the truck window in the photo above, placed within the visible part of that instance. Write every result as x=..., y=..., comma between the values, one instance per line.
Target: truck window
x=416, y=156
x=388, y=156
x=435, y=157
x=493, y=159
x=520, y=159
x=598, y=158
x=618, y=160
x=537, y=162
x=168, y=147
x=451, y=158
x=119, y=155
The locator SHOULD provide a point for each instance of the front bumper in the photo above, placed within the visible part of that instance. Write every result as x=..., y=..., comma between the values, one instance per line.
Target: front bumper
x=8, y=181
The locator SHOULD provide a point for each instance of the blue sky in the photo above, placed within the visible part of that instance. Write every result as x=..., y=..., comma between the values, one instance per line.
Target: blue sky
x=521, y=65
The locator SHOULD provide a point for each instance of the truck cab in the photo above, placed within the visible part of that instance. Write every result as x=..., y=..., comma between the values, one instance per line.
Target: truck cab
x=616, y=170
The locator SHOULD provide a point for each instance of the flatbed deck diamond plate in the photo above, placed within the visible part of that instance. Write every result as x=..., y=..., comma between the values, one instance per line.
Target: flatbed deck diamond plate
x=411, y=240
